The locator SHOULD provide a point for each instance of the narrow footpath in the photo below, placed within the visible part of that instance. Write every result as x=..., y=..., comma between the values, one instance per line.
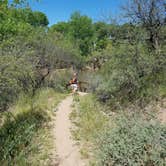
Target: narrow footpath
x=66, y=148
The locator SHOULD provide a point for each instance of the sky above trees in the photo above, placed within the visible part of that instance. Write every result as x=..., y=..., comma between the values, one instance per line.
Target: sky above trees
x=60, y=10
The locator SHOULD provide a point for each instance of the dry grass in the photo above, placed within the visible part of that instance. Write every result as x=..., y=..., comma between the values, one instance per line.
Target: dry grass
x=30, y=124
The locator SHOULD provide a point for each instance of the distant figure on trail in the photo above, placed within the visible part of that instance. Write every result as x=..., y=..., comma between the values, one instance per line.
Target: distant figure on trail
x=74, y=83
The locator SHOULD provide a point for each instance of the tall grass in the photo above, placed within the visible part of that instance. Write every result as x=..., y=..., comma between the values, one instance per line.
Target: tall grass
x=88, y=120
x=124, y=138
x=24, y=131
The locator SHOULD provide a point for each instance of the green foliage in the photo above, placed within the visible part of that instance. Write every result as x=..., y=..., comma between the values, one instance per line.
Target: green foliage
x=23, y=126
x=59, y=78
x=102, y=34
x=26, y=15
x=40, y=19
x=61, y=27
x=131, y=72
x=90, y=119
x=81, y=26
x=126, y=138
x=79, y=30
x=38, y=53
x=127, y=70
x=151, y=15
x=10, y=28
x=133, y=141
x=13, y=79
x=17, y=20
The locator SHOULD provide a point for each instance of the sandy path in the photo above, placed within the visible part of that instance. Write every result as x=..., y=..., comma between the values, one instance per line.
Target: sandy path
x=68, y=152
x=162, y=116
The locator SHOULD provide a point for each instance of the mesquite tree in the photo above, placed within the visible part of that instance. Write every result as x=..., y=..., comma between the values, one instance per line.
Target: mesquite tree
x=151, y=14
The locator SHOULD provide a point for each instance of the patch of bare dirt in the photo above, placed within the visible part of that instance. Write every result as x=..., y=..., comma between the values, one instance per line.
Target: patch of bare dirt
x=162, y=111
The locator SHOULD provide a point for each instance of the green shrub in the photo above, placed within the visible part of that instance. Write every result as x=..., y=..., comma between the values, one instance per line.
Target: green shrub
x=132, y=73
x=17, y=134
x=133, y=141
x=59, y=78
x=23, y=128
x=14, y=80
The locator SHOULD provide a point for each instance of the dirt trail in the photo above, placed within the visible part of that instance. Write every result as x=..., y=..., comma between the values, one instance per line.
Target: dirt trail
x=162, y=116
x=68, y=152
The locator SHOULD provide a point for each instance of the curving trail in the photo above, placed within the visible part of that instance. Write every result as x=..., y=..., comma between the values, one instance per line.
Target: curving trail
x=68, y=152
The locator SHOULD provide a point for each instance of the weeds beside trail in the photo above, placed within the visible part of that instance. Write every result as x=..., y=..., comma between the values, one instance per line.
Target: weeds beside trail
x=88, y=122
x=25, y=137
x=122, y=138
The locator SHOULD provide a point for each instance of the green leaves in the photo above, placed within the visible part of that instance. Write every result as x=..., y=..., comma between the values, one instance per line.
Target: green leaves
x=131, y=142
x=13, y=79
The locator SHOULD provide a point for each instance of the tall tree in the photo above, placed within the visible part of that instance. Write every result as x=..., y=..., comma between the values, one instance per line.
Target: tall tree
x=62, y=27
x=151, y=14
x=34, y=18
x=81, y=30
x=40, y=19
x=102, y=34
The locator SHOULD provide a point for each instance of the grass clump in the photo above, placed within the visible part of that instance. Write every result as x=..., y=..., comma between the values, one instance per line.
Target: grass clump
x=88, y=120
x=25, y=130
x=91, y=120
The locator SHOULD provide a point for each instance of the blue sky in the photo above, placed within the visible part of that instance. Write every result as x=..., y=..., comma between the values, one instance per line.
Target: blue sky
x=60, y=10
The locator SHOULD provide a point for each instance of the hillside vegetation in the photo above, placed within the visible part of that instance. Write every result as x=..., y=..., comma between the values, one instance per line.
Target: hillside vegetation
x=127, y=137
x=122, y=66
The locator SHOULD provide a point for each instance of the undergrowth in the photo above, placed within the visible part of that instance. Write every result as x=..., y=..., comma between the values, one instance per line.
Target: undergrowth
x=88, y=120
x=25, y=137
x=126, y=138
x=133, y=141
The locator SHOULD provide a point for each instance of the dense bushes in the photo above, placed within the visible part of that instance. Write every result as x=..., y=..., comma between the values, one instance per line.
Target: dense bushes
x=14, y=80
x=132, y=73
x=29, y=52
x=134, y=141
x=129, y=64
x=59, y=78
x=26, y=62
